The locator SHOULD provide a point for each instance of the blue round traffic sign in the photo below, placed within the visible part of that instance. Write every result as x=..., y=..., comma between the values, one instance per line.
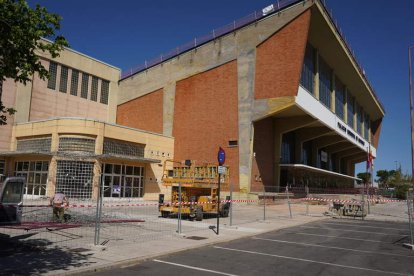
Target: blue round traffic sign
x=221, y=156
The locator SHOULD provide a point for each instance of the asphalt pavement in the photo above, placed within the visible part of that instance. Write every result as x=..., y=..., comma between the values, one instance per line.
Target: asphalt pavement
x=327, y=247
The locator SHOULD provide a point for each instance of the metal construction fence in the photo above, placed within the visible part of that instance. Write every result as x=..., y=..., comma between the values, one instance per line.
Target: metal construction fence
x=112, y=222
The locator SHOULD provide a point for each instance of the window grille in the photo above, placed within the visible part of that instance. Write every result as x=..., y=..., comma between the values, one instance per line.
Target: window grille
x=51, y=84
x=339, y=99
x=104, y=91
x=307, y=77
x=85, y=86
x=351, y=110
x=122, y=180
x=123, y=148
x=325, y=83
x=75, y=144
x=74, y=83
x=75, y=178
x=63, y=85
x=34, y=145
x=36, y=174
x=94, y=89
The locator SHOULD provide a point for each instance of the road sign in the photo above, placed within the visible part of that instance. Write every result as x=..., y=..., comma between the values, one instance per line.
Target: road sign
x=221, y=169
x=221, y=156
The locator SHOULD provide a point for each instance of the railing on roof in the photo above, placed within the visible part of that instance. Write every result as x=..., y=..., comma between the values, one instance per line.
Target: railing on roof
x=231, y=27
x=237, y=24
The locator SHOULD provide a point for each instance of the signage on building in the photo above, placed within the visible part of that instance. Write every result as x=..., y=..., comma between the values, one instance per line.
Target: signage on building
x=351, y=134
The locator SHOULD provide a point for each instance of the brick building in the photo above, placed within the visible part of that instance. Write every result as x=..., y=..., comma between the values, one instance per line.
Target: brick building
x=280, y=91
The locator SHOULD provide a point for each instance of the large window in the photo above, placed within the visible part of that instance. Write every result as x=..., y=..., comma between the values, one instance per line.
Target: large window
x=366, y=126
x=325, y=83
x=75, y=178
x=94, y=89
x=34, y=145
x=63, y=85
x=307, y=77
x=339, y=99
x=74, y=83
x=359, y=119
x=307, y=153
x=76, y=144
x=350, y=109
x=123, y=181
x=51, y=84
x=85, y=86
x=36, y=173
x=104, y=91
x=288, y=148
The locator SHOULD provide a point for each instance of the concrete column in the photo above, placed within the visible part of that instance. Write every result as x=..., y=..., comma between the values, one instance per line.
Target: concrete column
x=51, y=179
x=245, y=78
x=100, y=139
x=333, y=92
x=168, y=110
x=307, y=134
x=96, y=181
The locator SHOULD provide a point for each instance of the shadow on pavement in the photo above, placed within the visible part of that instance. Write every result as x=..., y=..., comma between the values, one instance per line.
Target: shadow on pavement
x=22, y=258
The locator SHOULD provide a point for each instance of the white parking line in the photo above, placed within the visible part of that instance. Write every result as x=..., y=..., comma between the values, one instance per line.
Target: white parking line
x=364, y=226
x=311, y=261
x=346, y=230
x=339, y=237
x=333, y=247
x=195, y=268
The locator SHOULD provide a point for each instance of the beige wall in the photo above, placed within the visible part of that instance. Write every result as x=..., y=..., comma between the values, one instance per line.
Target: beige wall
x=8, y=98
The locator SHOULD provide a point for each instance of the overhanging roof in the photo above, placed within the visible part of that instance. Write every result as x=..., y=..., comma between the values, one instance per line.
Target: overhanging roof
x=318, y=170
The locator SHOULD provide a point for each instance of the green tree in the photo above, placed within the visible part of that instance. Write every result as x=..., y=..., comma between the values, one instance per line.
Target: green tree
x=365, y=176
x=22, y=30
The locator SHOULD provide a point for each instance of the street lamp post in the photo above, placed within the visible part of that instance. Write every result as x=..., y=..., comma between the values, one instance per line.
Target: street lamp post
x=411, y=110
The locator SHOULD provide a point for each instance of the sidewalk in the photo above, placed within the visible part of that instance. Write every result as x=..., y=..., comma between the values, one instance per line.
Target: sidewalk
x=125, y=253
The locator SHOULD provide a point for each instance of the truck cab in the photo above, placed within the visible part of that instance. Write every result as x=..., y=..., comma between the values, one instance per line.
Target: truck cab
x=11, y=200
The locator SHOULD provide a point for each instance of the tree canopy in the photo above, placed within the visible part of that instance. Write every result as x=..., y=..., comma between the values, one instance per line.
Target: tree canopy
x=23, y=30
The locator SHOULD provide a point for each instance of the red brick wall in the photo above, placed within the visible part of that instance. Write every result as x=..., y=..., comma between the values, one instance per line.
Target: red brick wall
x=279, y=60
x=144, y=113
x=263, y=162
x=206, y=117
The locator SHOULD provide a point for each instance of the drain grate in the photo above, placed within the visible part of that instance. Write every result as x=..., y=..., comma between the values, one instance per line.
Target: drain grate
x=197, y=238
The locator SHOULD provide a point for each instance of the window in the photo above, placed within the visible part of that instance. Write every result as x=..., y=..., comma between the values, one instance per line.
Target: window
x=94, y=89
x=63, y=85
x=288, y=148
x=359, y=119
x=233, y=143
x=351, y=110
x=75, y=178
x=74, y=83
x=115, y=147
x=325, y=83
x=366, y=126
x=51, y=84
x=122, y=180
x=104, y=91
x=306, y=79
x=339, y=98
x=76, y=144
x=34, y=145
x=85, y=84
x=2, y=169
x=307, y=153
x=36, y=174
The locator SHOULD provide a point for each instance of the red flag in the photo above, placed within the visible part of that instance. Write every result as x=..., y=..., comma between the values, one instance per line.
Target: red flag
x=369, y=160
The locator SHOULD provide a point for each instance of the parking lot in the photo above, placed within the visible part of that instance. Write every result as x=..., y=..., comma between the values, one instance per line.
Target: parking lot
x=328, y=247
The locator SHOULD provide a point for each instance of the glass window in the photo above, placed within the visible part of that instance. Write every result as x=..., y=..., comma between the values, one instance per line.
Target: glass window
x=36, y=174
x=63, y=85
x=325, y=83
x=351, y=110
x=104, y=91
x=51, y=84
x=74, y=82
x=366, y=126
x=339, y=99
x=359, y=119
x=94, y=89
x=288, y=148
x=85, y=86
x=307, y=77
x=123, y=181
x=2, y=169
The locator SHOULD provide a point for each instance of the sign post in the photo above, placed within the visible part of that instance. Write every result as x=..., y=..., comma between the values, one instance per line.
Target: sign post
x=221, y=158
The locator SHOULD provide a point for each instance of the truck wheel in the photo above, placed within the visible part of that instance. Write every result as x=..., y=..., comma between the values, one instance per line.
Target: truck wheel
x=165, y=214
x=199, y=213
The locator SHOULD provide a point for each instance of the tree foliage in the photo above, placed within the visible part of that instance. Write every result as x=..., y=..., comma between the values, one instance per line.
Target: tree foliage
x=395, y=180
x=22, y=31
x=365, y=176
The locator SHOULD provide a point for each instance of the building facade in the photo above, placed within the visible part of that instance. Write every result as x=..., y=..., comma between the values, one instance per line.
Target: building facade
x=282, y=94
